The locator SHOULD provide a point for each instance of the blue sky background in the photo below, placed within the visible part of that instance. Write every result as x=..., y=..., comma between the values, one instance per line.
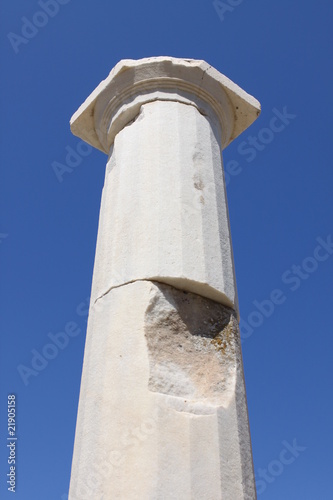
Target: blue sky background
x=280, y=203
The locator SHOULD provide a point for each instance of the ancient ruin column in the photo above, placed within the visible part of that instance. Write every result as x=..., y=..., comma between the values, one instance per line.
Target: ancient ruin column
x=162, y=411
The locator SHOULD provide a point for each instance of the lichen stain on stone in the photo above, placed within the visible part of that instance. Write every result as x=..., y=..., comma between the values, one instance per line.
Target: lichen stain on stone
x=226, y=340
x=193, y=346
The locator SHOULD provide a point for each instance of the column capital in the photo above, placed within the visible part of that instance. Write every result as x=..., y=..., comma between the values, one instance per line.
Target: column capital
x=117, y=100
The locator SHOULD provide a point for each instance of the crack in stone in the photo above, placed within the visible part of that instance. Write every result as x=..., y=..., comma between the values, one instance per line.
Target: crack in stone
x=154, y=99
x=117, y=286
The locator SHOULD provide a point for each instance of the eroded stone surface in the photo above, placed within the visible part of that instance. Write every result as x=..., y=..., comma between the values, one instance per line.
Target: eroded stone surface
x=177, y=432
x=193, y=344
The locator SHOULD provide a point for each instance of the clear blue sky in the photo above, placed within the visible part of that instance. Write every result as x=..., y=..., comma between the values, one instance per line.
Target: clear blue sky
x=280, y=202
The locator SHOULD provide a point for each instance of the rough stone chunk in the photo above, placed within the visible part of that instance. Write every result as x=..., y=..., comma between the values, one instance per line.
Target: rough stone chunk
x=193, y=344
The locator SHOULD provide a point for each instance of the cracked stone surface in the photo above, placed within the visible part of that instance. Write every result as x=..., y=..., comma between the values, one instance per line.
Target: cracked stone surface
x=157, y=420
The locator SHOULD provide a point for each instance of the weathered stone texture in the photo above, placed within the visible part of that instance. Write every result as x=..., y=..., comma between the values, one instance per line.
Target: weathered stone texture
x=162, y=406
x=192, y=347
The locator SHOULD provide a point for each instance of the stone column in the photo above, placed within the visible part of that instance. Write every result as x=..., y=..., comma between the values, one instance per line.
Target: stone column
x=162, y=412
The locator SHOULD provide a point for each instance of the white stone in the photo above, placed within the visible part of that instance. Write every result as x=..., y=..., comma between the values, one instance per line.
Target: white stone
x=162, y=411
x=117, y=99
x=164, y=213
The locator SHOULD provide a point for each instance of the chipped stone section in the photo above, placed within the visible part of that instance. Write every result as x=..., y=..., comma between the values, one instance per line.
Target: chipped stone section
x=193, y=346
x=157, y=420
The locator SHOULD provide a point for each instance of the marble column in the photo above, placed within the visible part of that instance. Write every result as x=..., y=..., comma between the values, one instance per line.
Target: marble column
x=162, y=411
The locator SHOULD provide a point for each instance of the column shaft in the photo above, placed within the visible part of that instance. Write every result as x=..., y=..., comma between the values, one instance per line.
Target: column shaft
x=162, y=412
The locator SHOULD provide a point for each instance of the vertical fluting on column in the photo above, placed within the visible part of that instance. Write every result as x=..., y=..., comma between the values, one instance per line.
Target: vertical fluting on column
x=162, y=410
